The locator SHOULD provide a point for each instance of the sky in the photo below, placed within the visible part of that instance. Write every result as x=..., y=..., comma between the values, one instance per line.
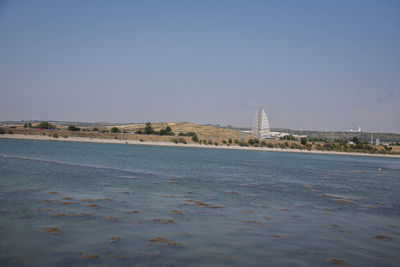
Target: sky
x=317, y=65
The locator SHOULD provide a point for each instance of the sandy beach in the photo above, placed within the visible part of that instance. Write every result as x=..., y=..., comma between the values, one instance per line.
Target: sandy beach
x=152, y=143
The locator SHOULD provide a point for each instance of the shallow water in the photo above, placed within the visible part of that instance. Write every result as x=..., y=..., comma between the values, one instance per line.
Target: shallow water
x=124, y=205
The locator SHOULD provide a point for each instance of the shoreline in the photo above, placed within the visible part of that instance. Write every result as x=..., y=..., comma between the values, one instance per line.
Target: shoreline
x=152, y=143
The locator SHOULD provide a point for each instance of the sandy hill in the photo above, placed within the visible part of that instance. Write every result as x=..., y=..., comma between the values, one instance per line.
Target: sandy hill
x=203, y=131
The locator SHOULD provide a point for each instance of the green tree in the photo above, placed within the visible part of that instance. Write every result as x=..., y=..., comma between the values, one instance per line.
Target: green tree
x=166, y=131
x=195, y=138
x=303, y=141
x=45, y=125
x=25, y=125
x=115, y=130
x=73, y=128
x=355, y=140
x=95, y=129
x=148, y=129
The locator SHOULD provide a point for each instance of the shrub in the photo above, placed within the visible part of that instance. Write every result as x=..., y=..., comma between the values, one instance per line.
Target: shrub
x=25, y=125
x=224, y=142
x=303, y=141
x=139, y=132
x=45, y=125
x=148, y=129
x=195, y=138
x=230, y=141
x=236, y=141
x=115, y=130
x=175, y=140
x=263, y=143
x=166, y=131
x=95, y=129
x=216, y=143
x=182, y=140
x=73, y=128
x=210, y=142
x=2, y=131
x=269, y=145
x=55, y=135
x=242, y=143
x=10, y=132
x=141, y=140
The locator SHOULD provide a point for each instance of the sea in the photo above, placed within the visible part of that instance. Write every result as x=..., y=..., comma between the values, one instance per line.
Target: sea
x=95, y=204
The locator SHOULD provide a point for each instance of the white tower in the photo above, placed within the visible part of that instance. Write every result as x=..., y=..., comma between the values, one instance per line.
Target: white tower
x=260, y=125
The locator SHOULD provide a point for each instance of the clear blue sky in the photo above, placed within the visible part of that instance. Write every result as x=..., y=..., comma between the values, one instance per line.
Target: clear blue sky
x=330, y=65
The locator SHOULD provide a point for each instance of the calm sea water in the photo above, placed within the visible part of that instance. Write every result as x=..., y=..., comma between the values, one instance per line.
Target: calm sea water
x=126, y=205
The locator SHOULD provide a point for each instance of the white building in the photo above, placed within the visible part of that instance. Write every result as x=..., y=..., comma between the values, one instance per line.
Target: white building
x=261, y=128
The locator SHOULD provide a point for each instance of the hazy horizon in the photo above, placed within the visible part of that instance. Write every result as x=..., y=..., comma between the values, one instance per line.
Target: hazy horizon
x=313, y=65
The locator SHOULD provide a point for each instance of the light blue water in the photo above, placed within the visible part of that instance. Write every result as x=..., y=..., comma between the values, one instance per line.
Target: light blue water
x=275, y=209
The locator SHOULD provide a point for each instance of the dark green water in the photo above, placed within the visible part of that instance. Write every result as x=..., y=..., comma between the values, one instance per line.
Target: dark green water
x=194, y=207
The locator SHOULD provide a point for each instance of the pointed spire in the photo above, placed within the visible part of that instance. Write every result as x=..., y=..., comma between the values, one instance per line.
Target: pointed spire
x=260, y=124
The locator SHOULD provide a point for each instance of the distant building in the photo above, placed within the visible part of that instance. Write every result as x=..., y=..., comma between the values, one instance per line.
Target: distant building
x=261, y=128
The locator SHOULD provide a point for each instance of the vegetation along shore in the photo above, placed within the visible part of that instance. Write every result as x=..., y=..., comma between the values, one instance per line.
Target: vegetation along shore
x=192, y=135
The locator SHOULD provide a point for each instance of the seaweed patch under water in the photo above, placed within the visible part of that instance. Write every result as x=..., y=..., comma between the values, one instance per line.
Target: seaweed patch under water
x=341, y=201
x=337, y=262
x=164, y=221
x=52, y=230
x=253, y=221
x=201, y=204
x=58, y=215
x=44, y=210
x=381, y=237
x=93, y=206
x=89, y=256
x=165, y=241
x=177, y=212
x=133, y=211
x=113, y=239
x=279, y=236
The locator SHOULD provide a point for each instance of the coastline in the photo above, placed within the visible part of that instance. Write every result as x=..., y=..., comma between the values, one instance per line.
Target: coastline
x=152, y=143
